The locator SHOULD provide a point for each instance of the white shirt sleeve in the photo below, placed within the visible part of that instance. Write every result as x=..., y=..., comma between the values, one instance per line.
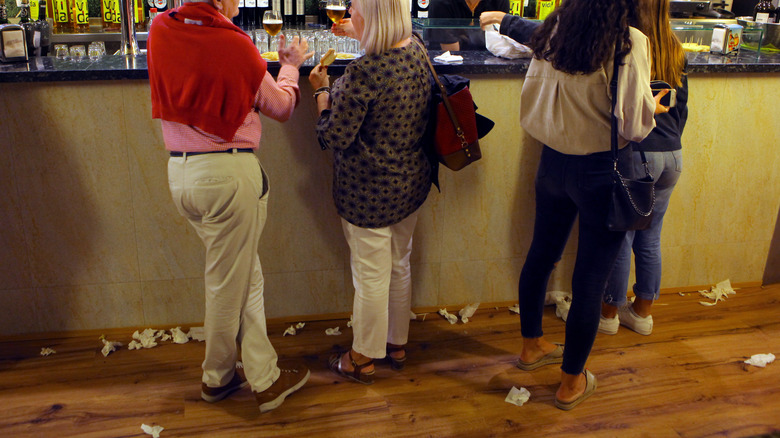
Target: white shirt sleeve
x=635, y=107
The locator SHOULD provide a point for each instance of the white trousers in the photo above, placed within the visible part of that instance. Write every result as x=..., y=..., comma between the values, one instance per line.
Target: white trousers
x=382, y=277
x=224, y=196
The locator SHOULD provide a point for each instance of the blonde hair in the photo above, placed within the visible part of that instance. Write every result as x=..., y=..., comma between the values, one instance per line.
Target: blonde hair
x=667, y=52
x=386, y=22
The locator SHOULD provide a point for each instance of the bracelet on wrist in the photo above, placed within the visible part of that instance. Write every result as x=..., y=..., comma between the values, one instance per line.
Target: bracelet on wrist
x=320, y=91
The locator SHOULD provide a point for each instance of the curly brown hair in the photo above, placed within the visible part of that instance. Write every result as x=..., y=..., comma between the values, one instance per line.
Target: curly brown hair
x=580, y=35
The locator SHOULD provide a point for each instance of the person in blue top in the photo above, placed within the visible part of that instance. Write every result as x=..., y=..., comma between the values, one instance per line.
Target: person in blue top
x=663, y=150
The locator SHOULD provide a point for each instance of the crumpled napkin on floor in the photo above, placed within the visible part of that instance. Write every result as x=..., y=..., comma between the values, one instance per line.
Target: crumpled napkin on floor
x=448, y=316
x=154, y=431
x=760, y=360
x=109, y=346
x=517, y=396
x=179, y=336
x=468, y=311
x=197, y=334
x=719, y=292
x=448, y=57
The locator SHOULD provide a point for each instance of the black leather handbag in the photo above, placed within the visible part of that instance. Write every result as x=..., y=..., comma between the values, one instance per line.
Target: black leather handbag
x=631, y=207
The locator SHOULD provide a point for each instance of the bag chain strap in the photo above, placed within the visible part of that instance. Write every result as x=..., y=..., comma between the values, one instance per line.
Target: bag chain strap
x=453, y=117
x=613, y=146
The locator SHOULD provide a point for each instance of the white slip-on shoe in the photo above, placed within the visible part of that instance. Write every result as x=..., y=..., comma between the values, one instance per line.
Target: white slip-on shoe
x=609, y=326
x=629, y=318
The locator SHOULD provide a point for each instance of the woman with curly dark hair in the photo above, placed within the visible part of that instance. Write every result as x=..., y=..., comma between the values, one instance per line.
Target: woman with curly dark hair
x=566, y=105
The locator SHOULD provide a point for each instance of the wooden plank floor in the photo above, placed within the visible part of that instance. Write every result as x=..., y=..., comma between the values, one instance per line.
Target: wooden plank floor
x=685, y=380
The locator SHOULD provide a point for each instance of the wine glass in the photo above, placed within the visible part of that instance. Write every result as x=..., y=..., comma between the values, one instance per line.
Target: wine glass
x=335, y=9
x=272, y=22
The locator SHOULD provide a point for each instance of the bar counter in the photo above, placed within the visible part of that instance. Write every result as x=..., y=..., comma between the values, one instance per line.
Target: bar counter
x=115, y=67
x=91, y=238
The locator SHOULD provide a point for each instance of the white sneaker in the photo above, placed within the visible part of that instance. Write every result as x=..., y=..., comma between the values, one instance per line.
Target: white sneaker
x=629, y=318
x=609, y=326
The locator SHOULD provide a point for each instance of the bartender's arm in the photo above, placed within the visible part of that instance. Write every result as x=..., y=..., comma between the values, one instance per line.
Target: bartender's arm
x=513, y=26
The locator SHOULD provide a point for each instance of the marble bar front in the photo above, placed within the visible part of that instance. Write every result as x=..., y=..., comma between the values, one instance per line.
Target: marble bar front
x=91, y=238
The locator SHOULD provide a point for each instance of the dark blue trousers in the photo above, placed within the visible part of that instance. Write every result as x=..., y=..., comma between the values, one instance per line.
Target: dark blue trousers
x=568, y=186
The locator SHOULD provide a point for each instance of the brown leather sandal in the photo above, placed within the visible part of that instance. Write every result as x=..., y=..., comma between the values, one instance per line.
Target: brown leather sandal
x=396, y=364
x=357, y=373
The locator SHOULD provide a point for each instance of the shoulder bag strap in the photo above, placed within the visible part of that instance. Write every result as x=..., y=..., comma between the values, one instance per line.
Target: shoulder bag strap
x=613, y=87
x=453, y=117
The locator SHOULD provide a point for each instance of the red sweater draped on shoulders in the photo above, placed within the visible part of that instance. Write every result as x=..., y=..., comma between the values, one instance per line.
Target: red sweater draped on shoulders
x=205, y=75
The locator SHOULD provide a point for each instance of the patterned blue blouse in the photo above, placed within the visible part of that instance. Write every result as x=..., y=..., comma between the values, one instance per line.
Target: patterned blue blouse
x=378, y=115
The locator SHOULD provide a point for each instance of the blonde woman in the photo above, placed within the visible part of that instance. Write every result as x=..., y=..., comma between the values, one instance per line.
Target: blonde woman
x=663, y=150
x=373, y=119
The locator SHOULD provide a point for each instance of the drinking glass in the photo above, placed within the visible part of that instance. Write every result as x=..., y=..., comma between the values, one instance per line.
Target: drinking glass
x=96, y=49
x=61, y=51
x=261, y=40
x=272, y=22
x=335, y=9
x=77, y=52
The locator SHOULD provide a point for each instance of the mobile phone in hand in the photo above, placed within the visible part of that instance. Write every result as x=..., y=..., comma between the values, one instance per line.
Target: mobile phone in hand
x=670, y=99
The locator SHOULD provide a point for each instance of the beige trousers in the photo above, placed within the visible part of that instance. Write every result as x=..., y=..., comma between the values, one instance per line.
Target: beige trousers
x=382, y=277
x=224, y=196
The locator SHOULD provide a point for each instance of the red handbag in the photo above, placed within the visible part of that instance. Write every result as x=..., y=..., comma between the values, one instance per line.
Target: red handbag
x=455, y=138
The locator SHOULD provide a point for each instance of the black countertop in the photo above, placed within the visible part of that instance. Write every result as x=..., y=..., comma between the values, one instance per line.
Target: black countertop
x=117, y=67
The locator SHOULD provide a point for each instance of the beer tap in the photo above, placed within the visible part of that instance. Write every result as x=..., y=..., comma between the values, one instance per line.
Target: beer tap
x=128, y=39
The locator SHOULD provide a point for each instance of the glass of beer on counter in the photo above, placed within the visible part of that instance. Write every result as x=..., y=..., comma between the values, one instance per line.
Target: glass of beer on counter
x=335, y=9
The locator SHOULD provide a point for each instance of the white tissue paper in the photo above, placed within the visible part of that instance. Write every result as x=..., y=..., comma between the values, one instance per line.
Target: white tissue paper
x=505, y=47
x=332, y=331
x=448, y=57
x=109, y=346
x=349, y=323
x=562, y=301
x=197, y=334
x=145, y=339
x=300, y=325
x=179, y=336
x=290, y=331
x=412, y=316
x=239, y=364
x=517, y=396
x=719, y=292
x=448, y=316
x=154, y=431
x=515, y=308
x=553, y=296
x=45, y=351
x=760, y=360
x=467, y=312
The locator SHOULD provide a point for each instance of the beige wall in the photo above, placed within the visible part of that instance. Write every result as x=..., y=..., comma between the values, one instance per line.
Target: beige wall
x=90, y=238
